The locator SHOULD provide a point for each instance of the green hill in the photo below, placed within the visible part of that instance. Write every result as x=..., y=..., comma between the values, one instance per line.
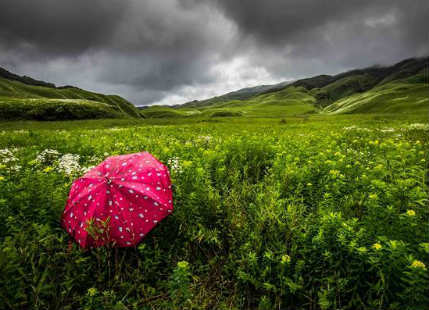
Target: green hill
x=409, y=95
x=26, y=98
x=402, y=87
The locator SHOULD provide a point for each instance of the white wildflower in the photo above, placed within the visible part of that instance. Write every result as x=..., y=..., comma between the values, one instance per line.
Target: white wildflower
x=47, y=157
x=8, y=160
x=356, y=128
x=418, y=126
x=174, y=165
x=69, y=164
x=206, y=139
x=7, y=156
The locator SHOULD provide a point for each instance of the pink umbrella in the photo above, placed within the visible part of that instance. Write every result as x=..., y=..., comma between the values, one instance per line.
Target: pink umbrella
x=119, y=201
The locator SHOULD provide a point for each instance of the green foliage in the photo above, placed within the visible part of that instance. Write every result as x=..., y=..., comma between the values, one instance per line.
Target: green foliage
x=327, y=212
x=179, y=286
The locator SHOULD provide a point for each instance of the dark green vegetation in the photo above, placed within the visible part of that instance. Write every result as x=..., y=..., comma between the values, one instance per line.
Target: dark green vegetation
x=401, y=88
x=25, y=98
x=322, y=212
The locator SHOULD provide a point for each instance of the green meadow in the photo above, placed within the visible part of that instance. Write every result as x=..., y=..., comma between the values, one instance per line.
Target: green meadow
x=272, y=211
x=309, y=194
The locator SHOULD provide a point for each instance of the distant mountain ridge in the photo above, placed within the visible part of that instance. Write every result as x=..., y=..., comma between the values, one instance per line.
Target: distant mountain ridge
x=241, y=94
x=328, y=88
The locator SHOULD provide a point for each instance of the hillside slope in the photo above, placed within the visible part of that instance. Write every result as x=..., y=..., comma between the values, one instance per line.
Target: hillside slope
x=402, y=87
x=410, y=95
x=26, y=98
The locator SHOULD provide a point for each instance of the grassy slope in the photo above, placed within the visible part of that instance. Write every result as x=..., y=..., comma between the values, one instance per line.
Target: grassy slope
x=287, y=102
x=408, y=95
x=19, y=100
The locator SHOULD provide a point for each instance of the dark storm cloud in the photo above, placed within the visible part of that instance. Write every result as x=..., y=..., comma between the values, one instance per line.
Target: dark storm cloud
x=279, y=21
x=59, y=27
x=322, y=30
x=171, y=50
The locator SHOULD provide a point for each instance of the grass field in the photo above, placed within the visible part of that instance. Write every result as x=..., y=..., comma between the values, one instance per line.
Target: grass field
x=276, y=212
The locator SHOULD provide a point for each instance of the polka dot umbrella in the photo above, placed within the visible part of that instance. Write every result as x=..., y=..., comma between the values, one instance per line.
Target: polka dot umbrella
x=119, y=201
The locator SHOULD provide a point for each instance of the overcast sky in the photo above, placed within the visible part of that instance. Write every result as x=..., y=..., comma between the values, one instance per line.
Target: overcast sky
x=173, y=51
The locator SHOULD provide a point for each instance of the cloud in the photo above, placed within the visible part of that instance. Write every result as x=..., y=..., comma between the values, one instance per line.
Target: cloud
x=172, y=51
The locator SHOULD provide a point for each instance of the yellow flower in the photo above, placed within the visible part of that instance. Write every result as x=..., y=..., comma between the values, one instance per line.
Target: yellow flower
x=377, y=246
x=334, y=172
x=373, y=196
x=418, y=264
x=309, y=184
x=48, y=169
x=411, y=212
x=92, y=291
x=183, y=264
x=285, y=259
x=1, y=178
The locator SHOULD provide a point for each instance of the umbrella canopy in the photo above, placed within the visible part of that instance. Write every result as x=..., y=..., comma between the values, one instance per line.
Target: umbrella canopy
x=119, y=201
